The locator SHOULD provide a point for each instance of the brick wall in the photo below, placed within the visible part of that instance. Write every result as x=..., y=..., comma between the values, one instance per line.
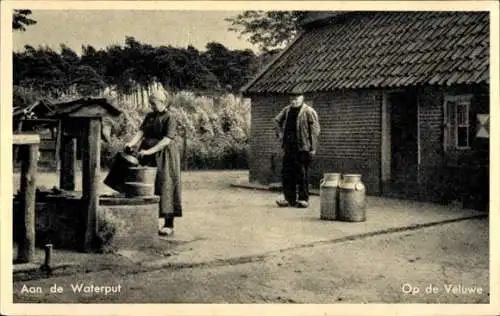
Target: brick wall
x=138, y=225
x=451, y=175
x=351, y=135
x=431, y=173
x=349, y=141
x=431, y=126
x=265, y=150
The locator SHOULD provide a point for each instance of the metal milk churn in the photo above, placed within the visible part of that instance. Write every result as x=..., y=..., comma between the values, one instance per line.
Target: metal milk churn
x=352, y=202
x=329, y=196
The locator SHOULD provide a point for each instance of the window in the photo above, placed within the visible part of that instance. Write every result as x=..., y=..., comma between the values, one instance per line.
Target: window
x=456, y=122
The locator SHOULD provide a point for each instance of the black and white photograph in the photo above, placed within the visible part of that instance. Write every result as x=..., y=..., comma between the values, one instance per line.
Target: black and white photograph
x=210, y=153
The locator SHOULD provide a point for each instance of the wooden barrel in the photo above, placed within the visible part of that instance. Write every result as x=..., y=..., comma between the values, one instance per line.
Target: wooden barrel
x=141, y=174
x=139, y=189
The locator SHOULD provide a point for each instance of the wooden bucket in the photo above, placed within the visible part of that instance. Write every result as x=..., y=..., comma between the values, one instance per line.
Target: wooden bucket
x=117, y=174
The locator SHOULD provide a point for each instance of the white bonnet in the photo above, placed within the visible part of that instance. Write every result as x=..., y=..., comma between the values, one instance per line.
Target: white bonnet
x=158, y=96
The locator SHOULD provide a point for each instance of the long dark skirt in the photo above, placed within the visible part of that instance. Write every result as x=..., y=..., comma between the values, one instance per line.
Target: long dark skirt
x=168, y=178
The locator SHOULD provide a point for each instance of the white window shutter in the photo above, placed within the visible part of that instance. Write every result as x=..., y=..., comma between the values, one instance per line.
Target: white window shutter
x=448, y=126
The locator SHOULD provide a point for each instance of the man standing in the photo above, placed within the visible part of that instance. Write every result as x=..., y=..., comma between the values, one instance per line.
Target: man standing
x=298, y=129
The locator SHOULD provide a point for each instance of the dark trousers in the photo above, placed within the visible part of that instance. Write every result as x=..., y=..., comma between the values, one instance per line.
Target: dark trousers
x=295, y=172
x=169, y=221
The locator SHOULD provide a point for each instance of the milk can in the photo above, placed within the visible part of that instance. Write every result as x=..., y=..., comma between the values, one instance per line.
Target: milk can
x=352, y=202
x=329, y=196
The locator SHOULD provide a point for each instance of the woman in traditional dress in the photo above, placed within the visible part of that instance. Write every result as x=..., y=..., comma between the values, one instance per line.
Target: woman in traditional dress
x=158, y=148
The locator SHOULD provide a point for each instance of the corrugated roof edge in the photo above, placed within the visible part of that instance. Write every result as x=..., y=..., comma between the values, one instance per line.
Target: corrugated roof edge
x=101, y=101
x=266, y=68
x=20, y=109
x=319, y=17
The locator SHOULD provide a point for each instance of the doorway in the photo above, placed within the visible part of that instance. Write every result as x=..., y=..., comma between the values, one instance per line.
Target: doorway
x=403, y=107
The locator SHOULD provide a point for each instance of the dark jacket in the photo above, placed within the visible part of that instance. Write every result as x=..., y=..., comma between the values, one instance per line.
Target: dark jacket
x=308, y=127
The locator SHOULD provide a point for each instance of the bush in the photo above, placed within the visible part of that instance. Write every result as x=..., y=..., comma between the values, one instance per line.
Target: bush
x=216, y=130
x=123, y=129
x=107, y=227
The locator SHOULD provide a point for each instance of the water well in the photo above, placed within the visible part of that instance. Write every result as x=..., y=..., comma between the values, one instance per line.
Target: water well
x=70, y=219
x=61, y=220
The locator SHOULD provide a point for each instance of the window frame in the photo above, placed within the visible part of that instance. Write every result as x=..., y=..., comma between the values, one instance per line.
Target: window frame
x=459, y=100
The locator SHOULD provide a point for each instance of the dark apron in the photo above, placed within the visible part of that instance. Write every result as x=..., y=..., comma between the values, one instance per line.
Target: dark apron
x=168, y=176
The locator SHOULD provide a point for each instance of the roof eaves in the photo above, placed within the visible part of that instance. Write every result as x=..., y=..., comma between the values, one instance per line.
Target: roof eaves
x=65, y=108
x=322, y=17
x=268, y=66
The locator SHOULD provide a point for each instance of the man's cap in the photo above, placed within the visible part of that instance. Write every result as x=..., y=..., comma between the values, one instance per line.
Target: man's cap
x=296, y=91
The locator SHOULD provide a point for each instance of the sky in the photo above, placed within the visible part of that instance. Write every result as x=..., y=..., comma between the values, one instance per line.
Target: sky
x=106, y=27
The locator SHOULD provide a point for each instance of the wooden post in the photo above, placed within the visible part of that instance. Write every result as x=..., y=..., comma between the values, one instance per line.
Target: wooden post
x=16, y=149
x=385, y=153
x=91, y=143
x=26, y=246
x=420, y=189
x=185, y=150
x=58, y=146
x=68, y=163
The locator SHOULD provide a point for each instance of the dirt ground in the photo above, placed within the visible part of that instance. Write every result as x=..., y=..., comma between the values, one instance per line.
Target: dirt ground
x=190, y=180
x=377, y=269
x=372, y=270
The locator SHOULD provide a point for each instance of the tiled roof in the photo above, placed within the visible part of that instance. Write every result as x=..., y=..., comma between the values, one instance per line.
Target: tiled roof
x=383, y=49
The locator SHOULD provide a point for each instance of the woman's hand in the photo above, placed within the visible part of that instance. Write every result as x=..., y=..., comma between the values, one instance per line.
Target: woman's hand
x=128, y=148
x=131, y=144
x=143, y=153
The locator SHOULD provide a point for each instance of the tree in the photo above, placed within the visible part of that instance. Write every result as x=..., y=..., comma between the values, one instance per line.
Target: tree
x=41, y=69
x=133, y=68
x=87, y=81
x=270, y=30
x=218, y=59
x=20, y=19
x=94, y=58
x=199, y=76
x=69, y=63
x=233, y=68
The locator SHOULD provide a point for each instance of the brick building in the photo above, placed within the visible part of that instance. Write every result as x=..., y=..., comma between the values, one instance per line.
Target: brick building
x=402, y=98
